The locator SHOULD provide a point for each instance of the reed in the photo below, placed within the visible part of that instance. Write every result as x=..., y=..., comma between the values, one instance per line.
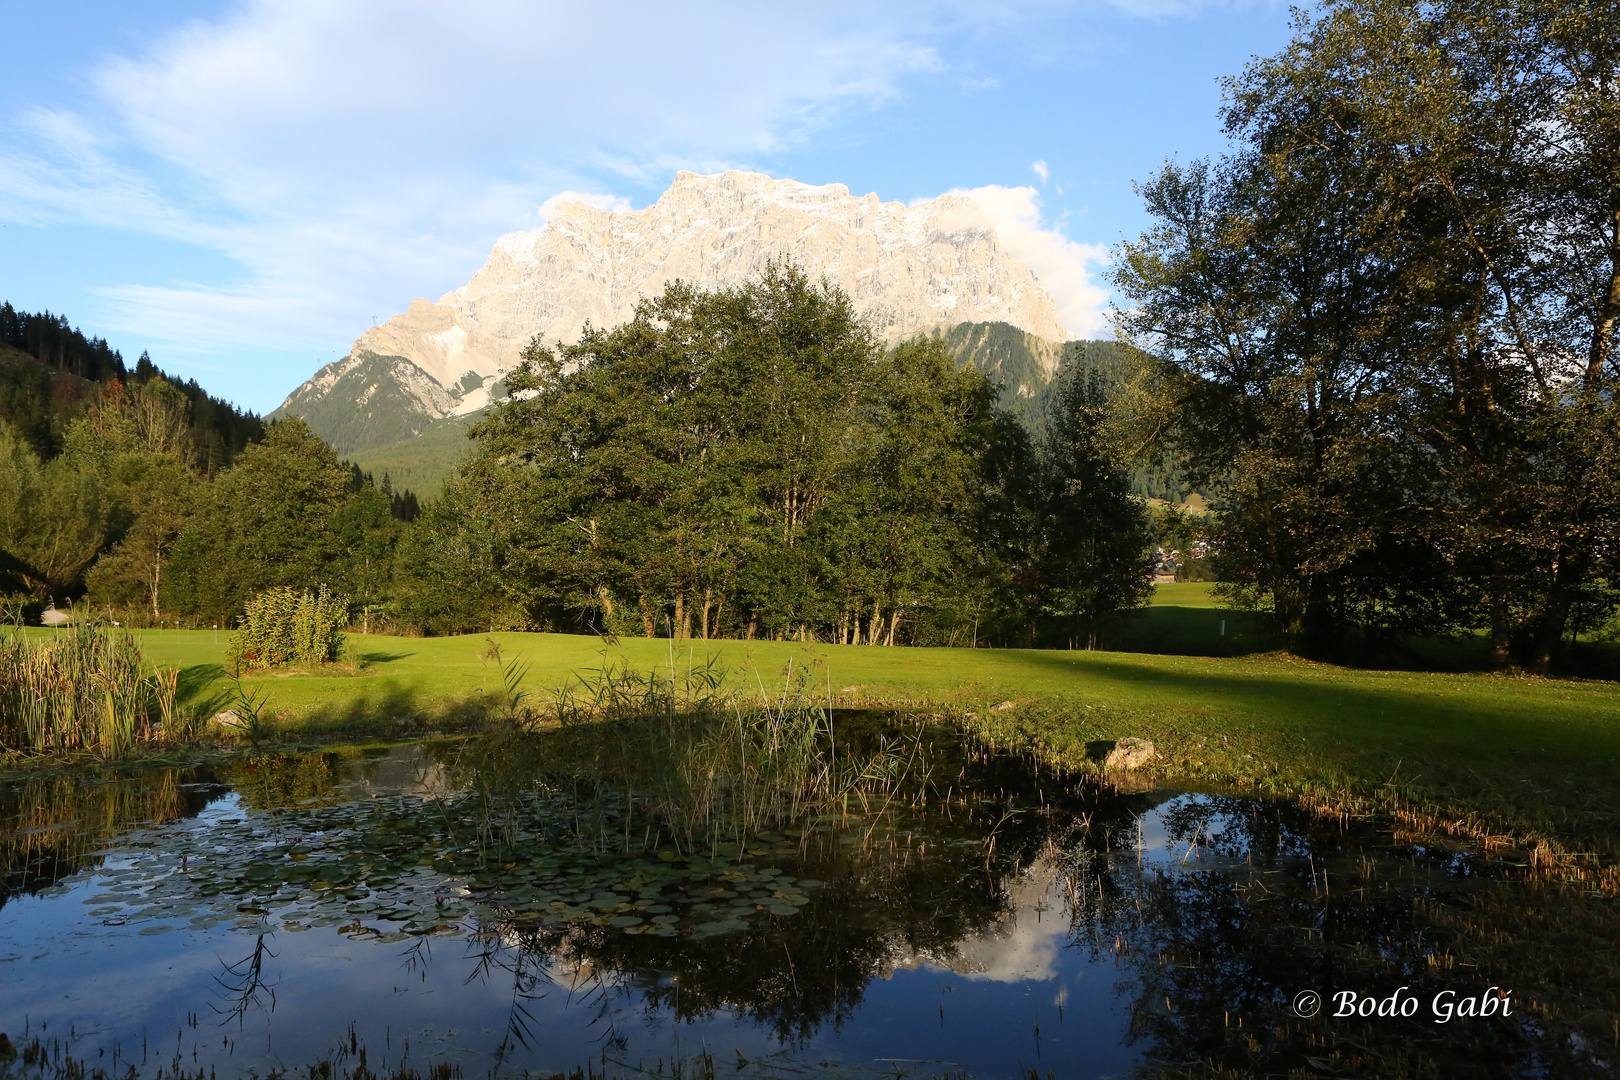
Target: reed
x=83, y=689
x=676, y=758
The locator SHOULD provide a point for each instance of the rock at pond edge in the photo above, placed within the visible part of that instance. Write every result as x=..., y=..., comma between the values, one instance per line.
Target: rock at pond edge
x=1129, y=753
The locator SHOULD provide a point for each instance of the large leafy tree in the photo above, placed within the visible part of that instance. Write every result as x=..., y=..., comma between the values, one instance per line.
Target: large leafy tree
x=137, y=440
x=53, y=520
x=266, y=521
x=747, y=461
x=1392, y=311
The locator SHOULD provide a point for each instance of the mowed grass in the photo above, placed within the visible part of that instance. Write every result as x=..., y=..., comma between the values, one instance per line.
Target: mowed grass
x=1480, y=754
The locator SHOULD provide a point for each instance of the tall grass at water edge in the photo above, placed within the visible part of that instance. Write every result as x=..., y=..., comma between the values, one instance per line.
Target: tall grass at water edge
x=679, y=759
x=83, y=689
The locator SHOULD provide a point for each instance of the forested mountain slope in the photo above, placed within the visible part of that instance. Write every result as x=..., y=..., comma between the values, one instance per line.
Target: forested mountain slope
x=50, y=373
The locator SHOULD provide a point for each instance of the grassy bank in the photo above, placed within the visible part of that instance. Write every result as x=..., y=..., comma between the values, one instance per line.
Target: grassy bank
x=1474, y=754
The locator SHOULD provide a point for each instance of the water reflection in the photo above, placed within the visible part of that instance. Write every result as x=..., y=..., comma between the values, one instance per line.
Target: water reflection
x=990, y=918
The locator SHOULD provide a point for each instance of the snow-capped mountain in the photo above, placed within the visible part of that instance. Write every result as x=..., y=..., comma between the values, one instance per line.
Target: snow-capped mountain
x=909, y=269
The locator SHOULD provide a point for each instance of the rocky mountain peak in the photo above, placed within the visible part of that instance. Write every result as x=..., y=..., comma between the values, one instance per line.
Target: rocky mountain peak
x=909, y=269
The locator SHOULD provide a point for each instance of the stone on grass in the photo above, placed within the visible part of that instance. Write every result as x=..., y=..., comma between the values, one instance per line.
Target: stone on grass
x=1129, y=754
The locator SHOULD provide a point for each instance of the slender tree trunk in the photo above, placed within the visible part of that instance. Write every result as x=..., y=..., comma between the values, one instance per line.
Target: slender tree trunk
x=647, y=622
x=719, y=609
x=157, y=578
x=1501, y=636
x=708, y=601
x=753, y=624
x=876, y=625
x=894, y=621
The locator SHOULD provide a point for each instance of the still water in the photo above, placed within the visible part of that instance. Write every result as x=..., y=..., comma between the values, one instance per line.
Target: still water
x=287, y=909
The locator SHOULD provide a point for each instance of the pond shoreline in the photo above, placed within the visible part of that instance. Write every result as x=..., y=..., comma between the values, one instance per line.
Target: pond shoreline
x=1052, y=733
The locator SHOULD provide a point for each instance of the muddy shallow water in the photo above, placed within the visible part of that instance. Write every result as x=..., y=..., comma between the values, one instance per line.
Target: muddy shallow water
x=290, y=909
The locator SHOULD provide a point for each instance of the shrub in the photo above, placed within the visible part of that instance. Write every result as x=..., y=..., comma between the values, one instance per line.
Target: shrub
x=283, y=626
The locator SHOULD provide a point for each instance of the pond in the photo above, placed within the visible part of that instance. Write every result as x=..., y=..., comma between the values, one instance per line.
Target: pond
x=446, y=908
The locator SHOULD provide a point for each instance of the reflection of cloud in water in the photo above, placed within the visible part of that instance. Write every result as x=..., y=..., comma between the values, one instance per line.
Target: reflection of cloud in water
x=1023, y=945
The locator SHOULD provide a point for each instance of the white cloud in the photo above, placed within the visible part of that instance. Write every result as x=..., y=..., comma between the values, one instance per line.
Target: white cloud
x=613, y=204
x=1040, y=170
x=349, y=155
x=1064, y=266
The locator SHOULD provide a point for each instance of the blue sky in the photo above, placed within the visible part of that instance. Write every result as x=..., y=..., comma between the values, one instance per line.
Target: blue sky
x=241, y=187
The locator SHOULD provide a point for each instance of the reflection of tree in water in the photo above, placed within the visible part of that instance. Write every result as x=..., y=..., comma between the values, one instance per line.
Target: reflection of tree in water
x=48, y=826
x=1213, y=957
x=272, y=781
x=906, y=885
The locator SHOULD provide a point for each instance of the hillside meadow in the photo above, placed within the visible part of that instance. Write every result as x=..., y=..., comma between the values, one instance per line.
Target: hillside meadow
x=1477, y=755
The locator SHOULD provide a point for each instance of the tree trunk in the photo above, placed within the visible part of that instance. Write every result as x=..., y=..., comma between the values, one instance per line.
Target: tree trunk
x=753, y=624
x=647, y=622
x=894, y=621
x=703, y=625
x=876, y=625
x=1550, y=629
x=1501, y=636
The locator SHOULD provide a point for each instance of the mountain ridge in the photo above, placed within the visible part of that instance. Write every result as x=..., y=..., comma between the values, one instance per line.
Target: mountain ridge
x=909, y=270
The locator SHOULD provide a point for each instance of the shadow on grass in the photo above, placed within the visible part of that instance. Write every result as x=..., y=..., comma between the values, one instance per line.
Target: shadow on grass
x=201, y=691
x=1177, y=630
x=1476, y=719
x=384, y=657
x=393, y=709
x=1172, y=630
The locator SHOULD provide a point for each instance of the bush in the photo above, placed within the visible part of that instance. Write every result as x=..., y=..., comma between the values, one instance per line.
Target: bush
x=283, y=626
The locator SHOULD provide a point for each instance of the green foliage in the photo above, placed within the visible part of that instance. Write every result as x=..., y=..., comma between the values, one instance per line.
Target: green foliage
x=83, y=688
x=100, y=463
x=50, y=374
x=284, y=626
x=422, y=462
x=742, y=462
x=268, y=521
x=451, y=569
x=53, y=519
x=1096, y=541
x=1390, y=320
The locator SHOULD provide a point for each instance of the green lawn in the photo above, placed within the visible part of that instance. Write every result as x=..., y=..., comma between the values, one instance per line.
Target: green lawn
x=1534, y=756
